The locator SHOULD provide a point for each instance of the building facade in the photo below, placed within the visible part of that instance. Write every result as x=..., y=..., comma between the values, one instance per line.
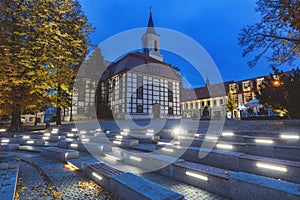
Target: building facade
x=141, y=85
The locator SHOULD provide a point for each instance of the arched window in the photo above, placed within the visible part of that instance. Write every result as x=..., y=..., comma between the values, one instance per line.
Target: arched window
x=155, y=45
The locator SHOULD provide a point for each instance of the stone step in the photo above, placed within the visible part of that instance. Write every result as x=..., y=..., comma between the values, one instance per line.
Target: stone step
x=235, y=161
x=94, y=148
x=127, y=185
x=260, y=148
x=9, y=147
x=59, y=153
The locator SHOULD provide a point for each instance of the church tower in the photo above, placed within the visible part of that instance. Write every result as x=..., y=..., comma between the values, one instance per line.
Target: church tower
x=151, y=41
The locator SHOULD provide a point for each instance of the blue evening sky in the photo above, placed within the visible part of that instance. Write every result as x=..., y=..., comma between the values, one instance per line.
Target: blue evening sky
x=215, y=24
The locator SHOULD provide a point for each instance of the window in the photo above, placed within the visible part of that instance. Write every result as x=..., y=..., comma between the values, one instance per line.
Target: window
x=139, y=87
x=155, y=45
x=208, y=103
x=170, y=111
x=215, y=102
x=170, y=91
x=202, y=104
x=221, y=102
x=192, y=105
x=139, y=109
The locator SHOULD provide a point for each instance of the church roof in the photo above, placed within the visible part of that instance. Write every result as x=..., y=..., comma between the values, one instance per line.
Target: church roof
x=141, y=63
x=150, y=28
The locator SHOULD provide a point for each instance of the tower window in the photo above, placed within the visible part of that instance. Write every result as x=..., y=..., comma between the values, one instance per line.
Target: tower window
x=155, y=45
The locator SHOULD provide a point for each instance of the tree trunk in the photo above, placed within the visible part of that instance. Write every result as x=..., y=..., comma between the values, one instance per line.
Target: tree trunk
x=16, y=124
x=71, y=109
x=35, y=121
x=58, y=116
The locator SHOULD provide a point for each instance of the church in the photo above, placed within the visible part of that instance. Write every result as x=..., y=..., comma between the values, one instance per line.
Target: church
x=141, y=85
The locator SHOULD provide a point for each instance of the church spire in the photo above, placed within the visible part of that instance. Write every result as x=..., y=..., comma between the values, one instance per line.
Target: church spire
x=150, y=28
x=151, y=41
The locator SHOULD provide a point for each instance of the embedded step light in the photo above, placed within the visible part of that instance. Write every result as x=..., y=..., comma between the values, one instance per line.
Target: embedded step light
x=272, y=167
x=165, y=143
x=227, y=134
x=2, y=130
x=168, y=150
x=30, y=142
x=286, y=136
x=126, y=130
x=117, y=142
x=46, y=138
x=82, y=132
x=70, y=135
x=224, y=146
x=135, y=158
x=97, y=176
x=211, y=138
x=74, y=129
x=74, y=145
x=195, y=175
x=264, y=141
x=26, y=137
x=5, y=141
x=119, y=136
x=47, y=134
x=124, y=133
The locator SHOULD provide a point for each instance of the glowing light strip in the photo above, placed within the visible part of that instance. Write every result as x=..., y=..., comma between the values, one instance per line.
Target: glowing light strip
x=117, y=142
x=272, y=167
x=124, y=133
x=198, y=176
x=70, y=135
x=85, y=139
x=284, y=136
x=74, y=129
x=165, y=143
x=196, y=135
x=45, y=138
x=227, y=134
x=30, y=142
x=82, y=132
x=211, y=138
x=224, y=146
x=2, y=130
x=74, y=145
x=167, y=149
x=126, y=130
x=26, y=137
x=150, y=130
x=264, y=141
x=98, y=130
x=5, y=141
x=135, y=158
x=47, y=134
x=97, y=176
x=119, y=136
x=55, y=129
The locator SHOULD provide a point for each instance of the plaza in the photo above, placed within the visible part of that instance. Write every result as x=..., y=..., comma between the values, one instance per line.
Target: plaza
x=65, y=161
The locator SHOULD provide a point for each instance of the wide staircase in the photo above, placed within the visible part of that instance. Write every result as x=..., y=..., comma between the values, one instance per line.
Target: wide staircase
x=236, y=165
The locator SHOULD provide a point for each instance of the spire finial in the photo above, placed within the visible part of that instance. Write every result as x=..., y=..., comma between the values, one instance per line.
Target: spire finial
x=150, y=8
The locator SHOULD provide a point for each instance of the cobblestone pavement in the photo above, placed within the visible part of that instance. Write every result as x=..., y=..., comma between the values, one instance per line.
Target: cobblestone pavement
x=61, y=182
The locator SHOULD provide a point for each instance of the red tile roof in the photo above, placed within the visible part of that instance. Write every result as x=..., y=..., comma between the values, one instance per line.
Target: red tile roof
x=142, y=63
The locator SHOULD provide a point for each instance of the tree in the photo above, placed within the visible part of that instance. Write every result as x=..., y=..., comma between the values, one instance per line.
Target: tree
x=280, y=91
x=42, y=44
x=277, y=35
x=231, y=104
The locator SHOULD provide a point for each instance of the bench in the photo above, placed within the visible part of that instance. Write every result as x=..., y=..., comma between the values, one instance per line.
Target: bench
x=129, y=186
x=59, y=154
x=100, y=173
